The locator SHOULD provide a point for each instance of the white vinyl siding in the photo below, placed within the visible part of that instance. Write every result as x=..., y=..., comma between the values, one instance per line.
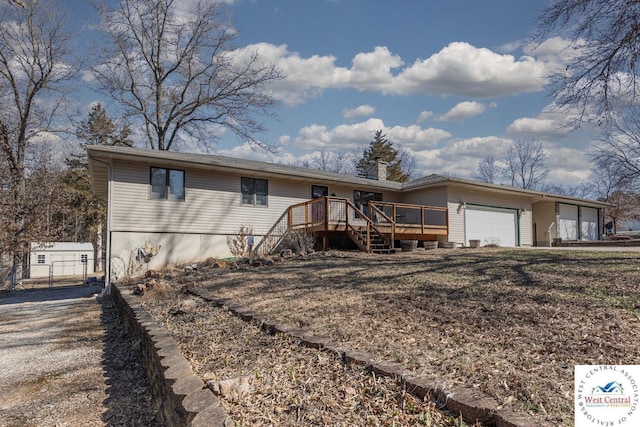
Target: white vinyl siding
x=544, y=218
x=429, y=197
x=213, y=202
x=588, y=224
x=568, y=221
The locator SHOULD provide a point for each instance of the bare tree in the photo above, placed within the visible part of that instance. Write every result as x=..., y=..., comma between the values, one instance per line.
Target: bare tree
x=610, y=184
x=329, y=160
x=606, y=178
x=175, y=70
x=408, y=161
x=34, y=48
x=618, y=148
x=526, y=164
x=626, y=207
x=583, y=190
x=487, y=170
x=604, y=52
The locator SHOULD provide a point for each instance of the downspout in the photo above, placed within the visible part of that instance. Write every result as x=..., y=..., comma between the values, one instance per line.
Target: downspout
x=107, y=263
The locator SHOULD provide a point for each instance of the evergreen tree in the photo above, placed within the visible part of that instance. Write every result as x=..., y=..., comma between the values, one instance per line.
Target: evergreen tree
x=381, y=148
x=86, y=215
x=98, y=129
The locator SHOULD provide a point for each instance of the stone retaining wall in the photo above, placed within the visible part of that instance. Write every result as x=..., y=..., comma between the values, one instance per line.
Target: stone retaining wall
x=180, y=397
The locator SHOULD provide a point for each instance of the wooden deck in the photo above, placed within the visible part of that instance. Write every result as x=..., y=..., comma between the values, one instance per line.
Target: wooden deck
x=383, y=221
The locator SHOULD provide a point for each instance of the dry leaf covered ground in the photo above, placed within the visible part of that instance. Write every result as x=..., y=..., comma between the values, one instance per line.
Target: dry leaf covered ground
x=510, y=323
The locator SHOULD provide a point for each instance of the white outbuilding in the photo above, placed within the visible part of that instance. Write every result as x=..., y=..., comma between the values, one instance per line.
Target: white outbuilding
x=61, y=259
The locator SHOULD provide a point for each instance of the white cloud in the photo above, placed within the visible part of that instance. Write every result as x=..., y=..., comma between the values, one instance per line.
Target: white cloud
x=510, y=47
x=424, y=115
x=460, y=158
x=556, y=52
x=458, y=69
x=359, y=111
x=550, y=123
x=346, y=137
x=284, y=140
x=372, y=70
x=464, y=110
x=465, y=70
x=356, y=136
x=568, y=166
x=415, y=137
x=432, y=148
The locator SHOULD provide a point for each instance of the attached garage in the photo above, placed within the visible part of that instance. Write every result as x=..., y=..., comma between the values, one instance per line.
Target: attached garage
x=568, y=221
x=589, y=224
x=578, y=222
x=491, y=225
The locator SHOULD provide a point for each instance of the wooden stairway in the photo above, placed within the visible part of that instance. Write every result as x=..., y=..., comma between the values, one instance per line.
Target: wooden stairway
x=378, y=243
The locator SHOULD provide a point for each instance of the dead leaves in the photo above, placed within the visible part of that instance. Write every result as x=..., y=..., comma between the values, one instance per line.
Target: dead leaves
x=511, y=322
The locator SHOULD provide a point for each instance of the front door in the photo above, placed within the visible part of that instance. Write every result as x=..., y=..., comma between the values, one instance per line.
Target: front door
x=318, y=208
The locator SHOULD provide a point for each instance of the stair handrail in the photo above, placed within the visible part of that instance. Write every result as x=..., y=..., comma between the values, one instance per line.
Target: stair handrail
x=276, y=226
x=384, y=216
x=370, y=225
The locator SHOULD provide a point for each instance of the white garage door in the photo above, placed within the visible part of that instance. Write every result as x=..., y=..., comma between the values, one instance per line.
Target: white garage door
x=491, y=225
x=589, y=224
x=568, y=222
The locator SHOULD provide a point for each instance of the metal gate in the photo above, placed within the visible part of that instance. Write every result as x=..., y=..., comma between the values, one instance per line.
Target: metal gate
x=58, y=273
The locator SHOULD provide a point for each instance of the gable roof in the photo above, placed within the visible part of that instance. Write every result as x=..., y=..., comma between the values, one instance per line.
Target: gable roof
x=101, y=155
x=61, y=247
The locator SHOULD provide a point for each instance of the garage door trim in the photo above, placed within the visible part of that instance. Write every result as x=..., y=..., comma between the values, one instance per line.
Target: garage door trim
x=516, y=211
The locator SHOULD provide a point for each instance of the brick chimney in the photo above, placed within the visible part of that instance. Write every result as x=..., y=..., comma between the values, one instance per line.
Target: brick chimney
x=377, y=169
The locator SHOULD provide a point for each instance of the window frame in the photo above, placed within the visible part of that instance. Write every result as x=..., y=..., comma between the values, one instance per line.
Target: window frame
x=362, y=198
x=84, y=258
x=254, y=194
x=167, y=194
x=41, y=259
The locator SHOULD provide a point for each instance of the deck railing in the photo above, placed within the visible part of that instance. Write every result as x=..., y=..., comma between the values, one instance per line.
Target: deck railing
x=385, y=220
x=411, y=217
x=321, y=212
x=328, y=213
x=331, y=214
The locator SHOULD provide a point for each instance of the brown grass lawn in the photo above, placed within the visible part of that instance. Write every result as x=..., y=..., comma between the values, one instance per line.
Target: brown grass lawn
x=511, y=323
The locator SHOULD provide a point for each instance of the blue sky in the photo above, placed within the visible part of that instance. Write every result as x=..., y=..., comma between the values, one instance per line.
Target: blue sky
x=451, y=81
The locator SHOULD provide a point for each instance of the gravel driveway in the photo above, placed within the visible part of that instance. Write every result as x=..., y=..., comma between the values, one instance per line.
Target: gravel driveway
x=66, y=361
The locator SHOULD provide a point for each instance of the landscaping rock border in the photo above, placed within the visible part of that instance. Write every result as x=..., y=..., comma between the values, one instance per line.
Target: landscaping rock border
x=471, y=404
x=181, y=398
